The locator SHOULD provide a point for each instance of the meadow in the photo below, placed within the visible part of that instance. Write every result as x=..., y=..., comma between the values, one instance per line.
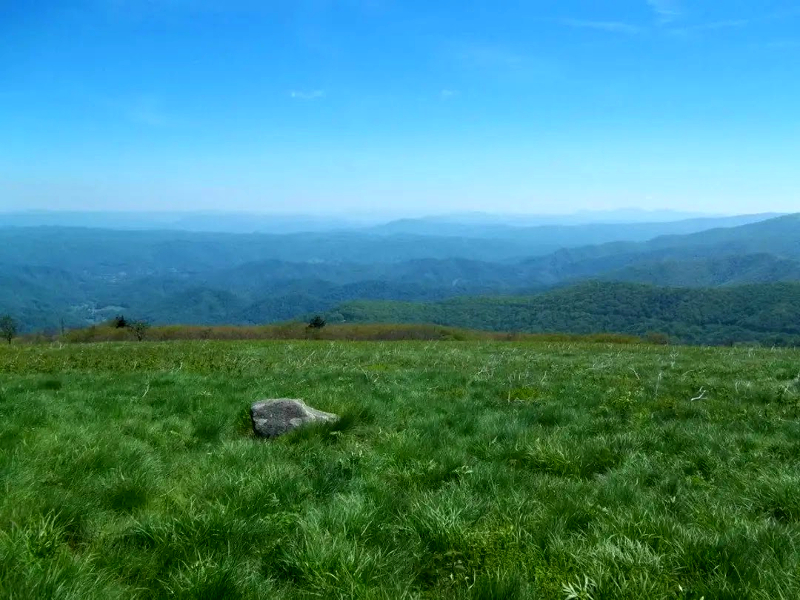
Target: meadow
x=471, y=469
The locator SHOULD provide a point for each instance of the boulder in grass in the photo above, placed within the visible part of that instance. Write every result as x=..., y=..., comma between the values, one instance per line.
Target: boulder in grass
x=272, y=418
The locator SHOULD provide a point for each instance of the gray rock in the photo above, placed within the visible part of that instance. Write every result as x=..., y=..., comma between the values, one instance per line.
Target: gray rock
x=272, y=418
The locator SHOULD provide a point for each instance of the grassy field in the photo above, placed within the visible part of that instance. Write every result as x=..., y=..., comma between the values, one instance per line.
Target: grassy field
x=458, y=470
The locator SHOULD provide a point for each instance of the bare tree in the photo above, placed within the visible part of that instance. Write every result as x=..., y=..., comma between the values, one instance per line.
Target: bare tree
x=139, y=328
x=8, y=328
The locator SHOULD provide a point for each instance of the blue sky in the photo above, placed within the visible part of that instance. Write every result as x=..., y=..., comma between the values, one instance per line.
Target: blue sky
x=400, y=106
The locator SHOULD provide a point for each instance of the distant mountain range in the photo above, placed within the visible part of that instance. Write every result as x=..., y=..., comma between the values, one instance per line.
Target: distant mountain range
x=220, y=222
x=561, y=232
x=50, y=275
x=480, y=224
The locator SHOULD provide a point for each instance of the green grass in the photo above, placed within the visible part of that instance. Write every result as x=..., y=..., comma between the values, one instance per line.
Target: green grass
x=459, y=470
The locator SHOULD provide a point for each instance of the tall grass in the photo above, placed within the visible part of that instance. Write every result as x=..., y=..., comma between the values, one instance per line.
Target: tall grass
x=458, y=470
x=300, y=331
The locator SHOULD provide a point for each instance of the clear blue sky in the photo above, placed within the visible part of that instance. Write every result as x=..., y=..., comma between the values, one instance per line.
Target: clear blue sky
x=405, y=106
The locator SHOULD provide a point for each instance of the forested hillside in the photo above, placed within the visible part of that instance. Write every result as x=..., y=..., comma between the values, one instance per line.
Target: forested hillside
x=766, y=313
x=727, y=270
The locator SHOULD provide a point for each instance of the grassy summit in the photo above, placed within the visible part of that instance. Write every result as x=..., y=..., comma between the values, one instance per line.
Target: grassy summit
x=459, y=469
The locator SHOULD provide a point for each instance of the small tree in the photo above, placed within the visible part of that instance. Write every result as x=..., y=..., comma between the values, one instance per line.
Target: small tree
x=8, y=327
x=139, y=328
x=120, y=322
x=316, y=323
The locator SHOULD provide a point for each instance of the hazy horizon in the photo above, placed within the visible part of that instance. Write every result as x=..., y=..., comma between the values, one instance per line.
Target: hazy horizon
x=413, y=214
x=487, y=216
x=405, y=108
